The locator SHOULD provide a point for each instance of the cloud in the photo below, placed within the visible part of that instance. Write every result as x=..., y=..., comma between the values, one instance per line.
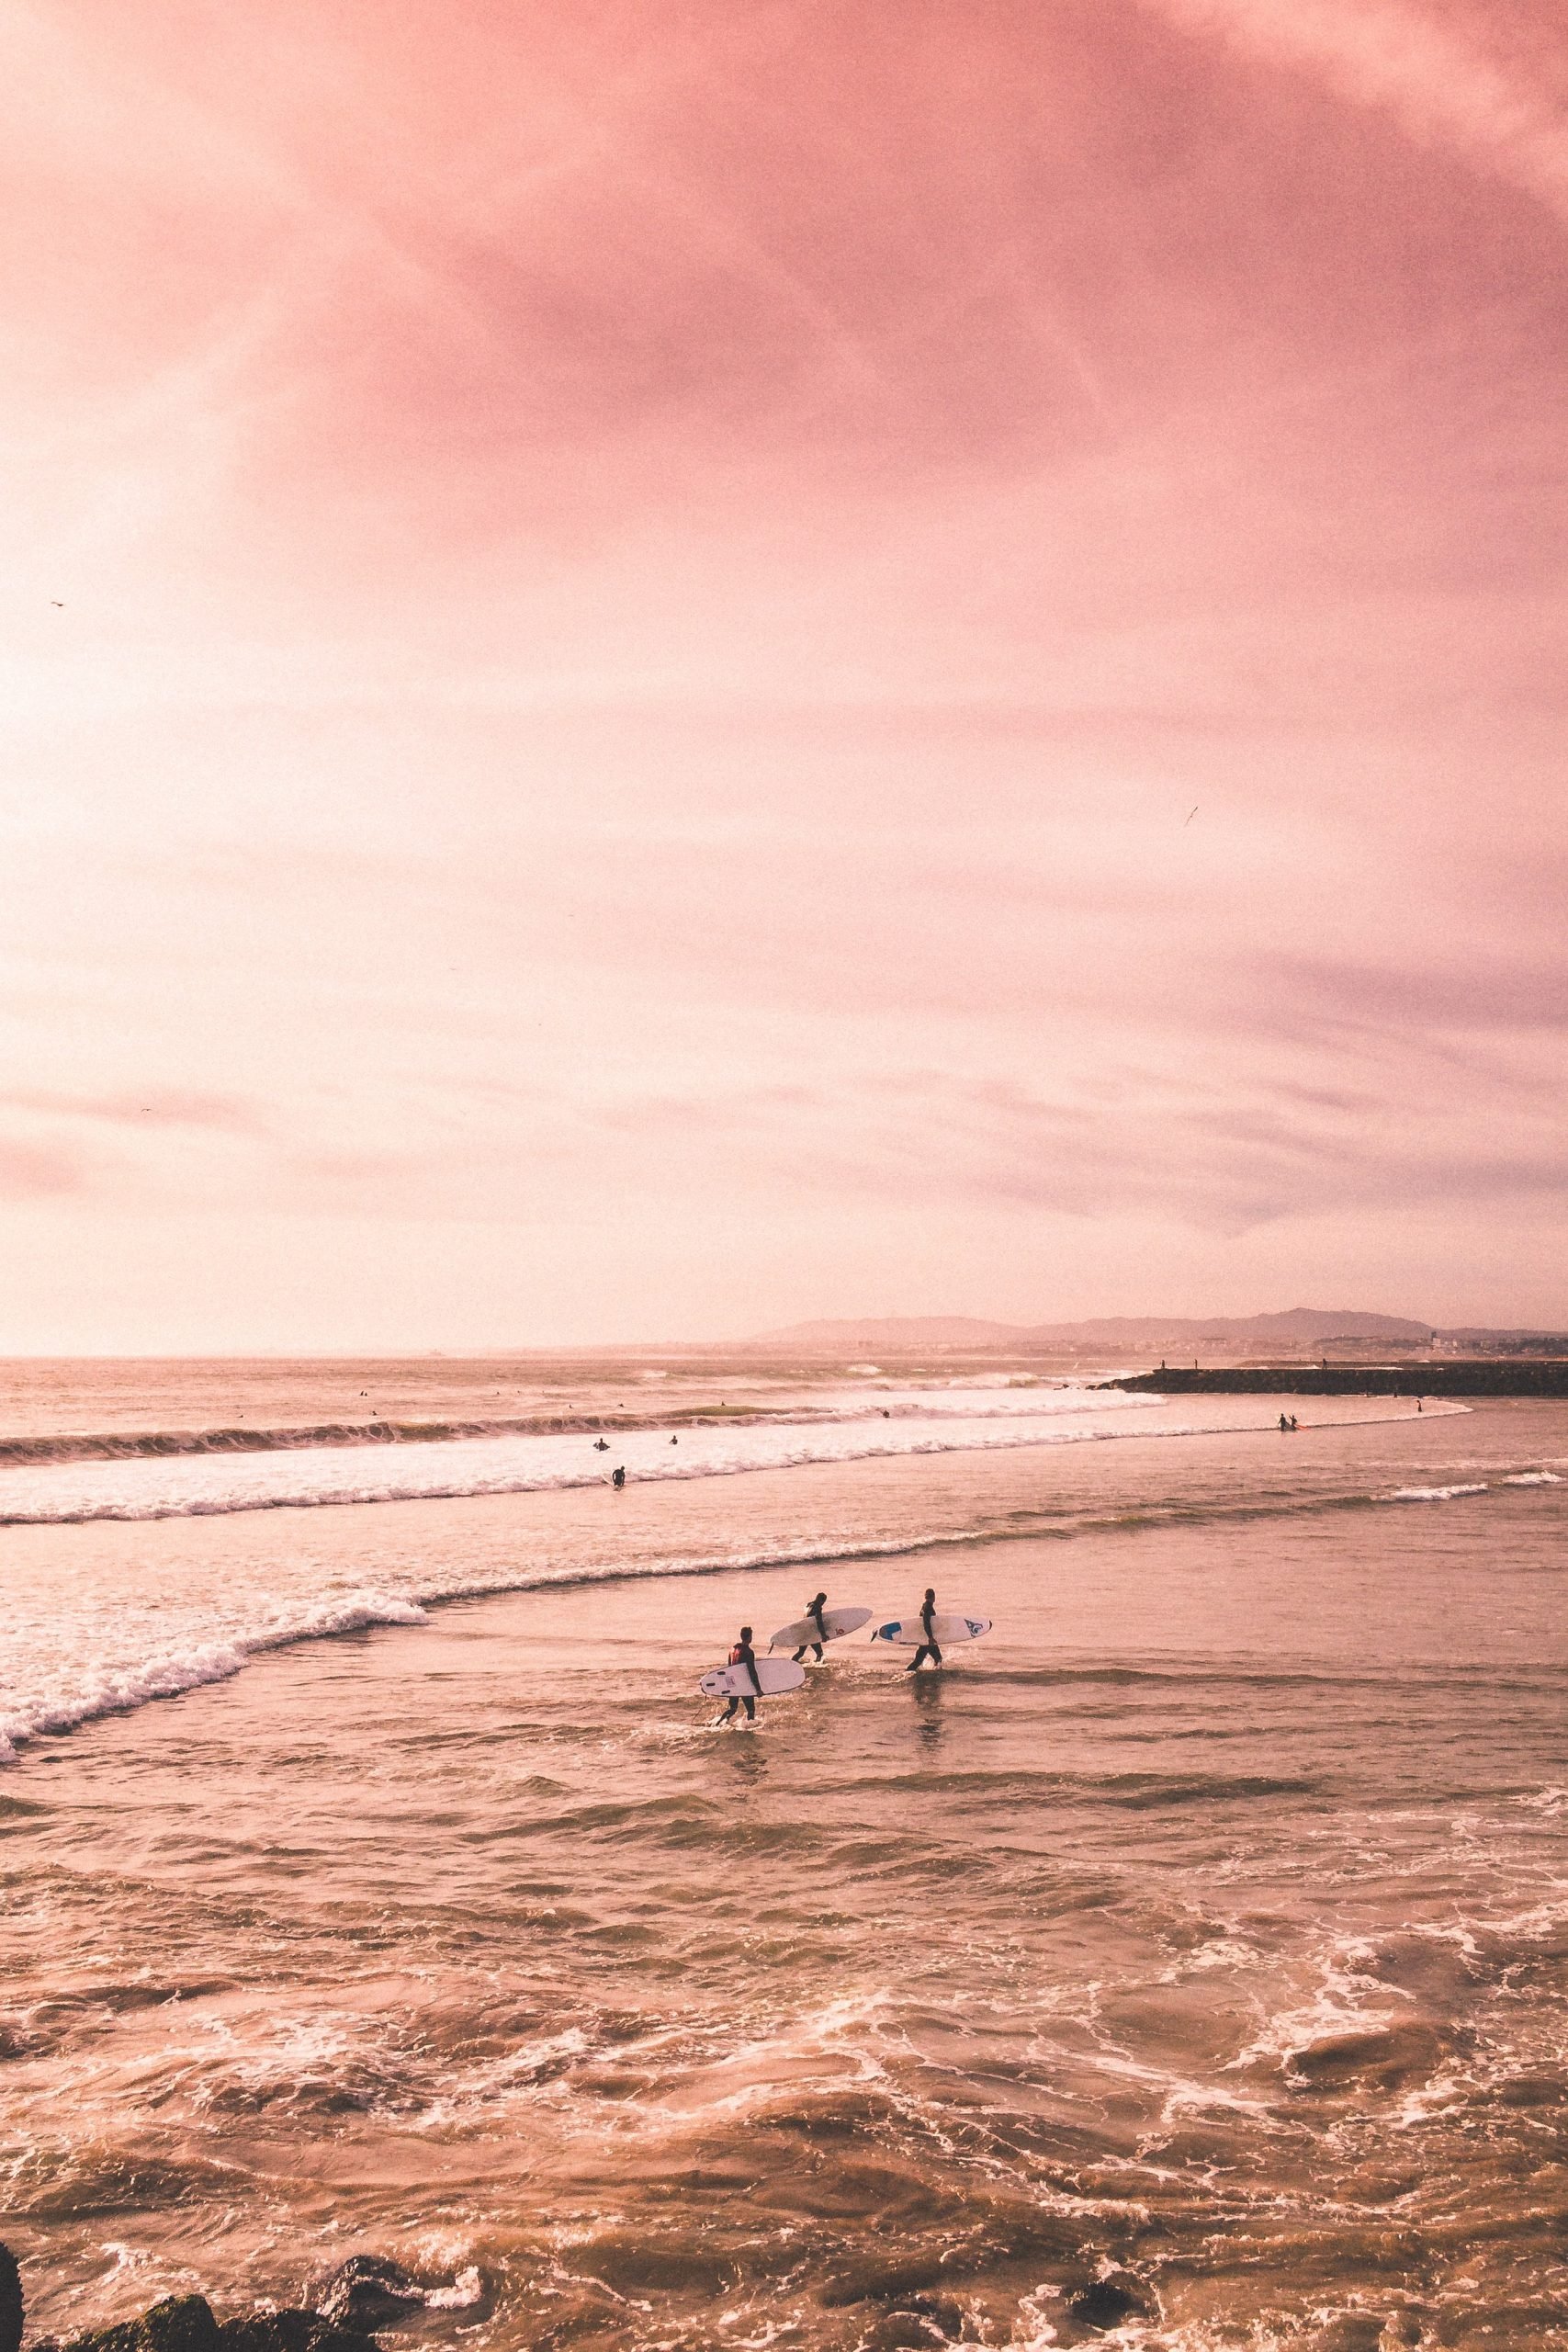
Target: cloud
x=1442, y=86
x=146, y=1107
x=647, y=597
x=30, y=1171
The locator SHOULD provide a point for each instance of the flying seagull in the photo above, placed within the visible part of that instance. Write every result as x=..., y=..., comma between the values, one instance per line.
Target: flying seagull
x=1190, y=814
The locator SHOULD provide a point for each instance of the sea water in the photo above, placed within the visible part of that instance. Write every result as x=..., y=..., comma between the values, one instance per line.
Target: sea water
x=1186, y=1965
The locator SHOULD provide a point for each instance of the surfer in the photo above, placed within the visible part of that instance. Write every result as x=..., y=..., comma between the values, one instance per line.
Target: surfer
x=929, y=1646
x=601, y=1445
x=814, y=1610
x=744, y=1655
x=618, y=1478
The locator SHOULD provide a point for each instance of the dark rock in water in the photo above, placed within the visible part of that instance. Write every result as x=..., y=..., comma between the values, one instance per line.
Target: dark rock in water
x=184, y=2324
x=368, y=2291
x=179, y=2323
x=288, y=2331
x=10, y=2301
x=1106, y=2305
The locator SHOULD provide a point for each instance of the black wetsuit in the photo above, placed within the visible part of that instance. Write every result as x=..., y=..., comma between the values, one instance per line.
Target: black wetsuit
x=744, y=1655
x=928, y=1647
x=814, y=1612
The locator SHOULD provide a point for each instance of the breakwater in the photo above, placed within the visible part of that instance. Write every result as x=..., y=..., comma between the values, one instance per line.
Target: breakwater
x=1484, y=1378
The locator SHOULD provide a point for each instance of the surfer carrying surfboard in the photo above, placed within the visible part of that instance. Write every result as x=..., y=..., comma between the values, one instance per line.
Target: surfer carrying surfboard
x=814, y=1610
x=744, y=1655
x=929, y=1646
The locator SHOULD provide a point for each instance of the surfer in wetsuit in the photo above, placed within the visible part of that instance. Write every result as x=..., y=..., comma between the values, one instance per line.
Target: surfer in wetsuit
x=744, y=1655
x=929, y=1646
x=617, y=1477
x=814, y=1610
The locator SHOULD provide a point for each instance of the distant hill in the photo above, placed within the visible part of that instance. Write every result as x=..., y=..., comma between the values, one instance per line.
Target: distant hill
x=904, y=1334
x=1299, y=1327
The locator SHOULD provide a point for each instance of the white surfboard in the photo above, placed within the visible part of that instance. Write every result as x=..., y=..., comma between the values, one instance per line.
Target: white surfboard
x=774, y=1674
x=947, y=1631
x=838, y=1621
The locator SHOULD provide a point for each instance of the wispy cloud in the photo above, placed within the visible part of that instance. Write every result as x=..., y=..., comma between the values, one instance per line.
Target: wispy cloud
x=150, y=1106
x=905, y=648
x=33, y=1172
x=1432, y=70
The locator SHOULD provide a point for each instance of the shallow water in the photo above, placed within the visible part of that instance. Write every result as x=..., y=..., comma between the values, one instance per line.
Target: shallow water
x=1206, y=1926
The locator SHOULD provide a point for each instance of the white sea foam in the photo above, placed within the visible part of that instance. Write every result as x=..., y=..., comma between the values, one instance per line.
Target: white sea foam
x=1533, y=1479
x=200, y=1486
x=125, y=1649
x=88, y=1689
x=1435, y=1494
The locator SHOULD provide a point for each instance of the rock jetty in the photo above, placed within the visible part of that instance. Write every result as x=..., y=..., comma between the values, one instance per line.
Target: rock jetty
x=1491, y=1377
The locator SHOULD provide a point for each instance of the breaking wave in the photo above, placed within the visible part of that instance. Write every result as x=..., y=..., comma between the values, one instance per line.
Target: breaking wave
x=120, y=1690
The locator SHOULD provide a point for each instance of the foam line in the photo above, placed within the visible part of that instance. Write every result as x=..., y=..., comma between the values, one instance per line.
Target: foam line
x=454, y=1469
x=120, y=1690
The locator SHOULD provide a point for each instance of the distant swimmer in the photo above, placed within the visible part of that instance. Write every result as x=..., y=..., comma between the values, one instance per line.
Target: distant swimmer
x=618, y=1478
x=601, y=1445
x=743, y=1654
x=929, y=1646
x=674, y=1440
x=814, y=1610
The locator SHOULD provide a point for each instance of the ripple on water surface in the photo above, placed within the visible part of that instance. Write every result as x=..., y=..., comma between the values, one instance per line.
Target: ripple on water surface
x=1191, y=1961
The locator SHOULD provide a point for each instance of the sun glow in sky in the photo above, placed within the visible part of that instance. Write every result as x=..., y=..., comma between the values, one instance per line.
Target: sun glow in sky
x=670, y=667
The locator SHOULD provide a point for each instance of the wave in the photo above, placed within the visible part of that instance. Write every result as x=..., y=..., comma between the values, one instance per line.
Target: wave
x=1434, y=1494
x=158, y=1445
x=170, y=1673
x=447, y=1471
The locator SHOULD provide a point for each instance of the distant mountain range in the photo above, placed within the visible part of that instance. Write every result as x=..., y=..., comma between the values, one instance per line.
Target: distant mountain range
x=1300, y=1327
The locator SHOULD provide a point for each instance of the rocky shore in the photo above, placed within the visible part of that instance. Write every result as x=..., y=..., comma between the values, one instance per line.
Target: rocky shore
x=365, y=2293
x=1541, y=1377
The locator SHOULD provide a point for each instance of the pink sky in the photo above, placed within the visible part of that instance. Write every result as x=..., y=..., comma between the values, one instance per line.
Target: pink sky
x=645, y=594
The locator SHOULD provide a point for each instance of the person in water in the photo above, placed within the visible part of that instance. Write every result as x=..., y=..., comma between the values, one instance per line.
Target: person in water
x=814, y=1610
x=618, y=1478
x=929, y=1646
x=744, y=1655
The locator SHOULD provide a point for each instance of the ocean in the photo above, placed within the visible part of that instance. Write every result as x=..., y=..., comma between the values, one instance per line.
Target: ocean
x=1185, y=1965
